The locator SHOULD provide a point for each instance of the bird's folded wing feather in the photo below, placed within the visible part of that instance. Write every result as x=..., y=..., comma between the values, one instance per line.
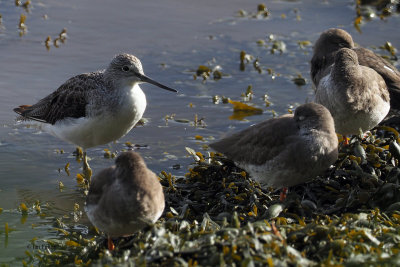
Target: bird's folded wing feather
x=99, y=184
x=388, y=72
x=259, y=143
x=320, y=67
x=69, y=100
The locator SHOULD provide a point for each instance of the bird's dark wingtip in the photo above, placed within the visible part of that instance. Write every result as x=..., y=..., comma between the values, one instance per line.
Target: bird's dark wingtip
x=19, y=110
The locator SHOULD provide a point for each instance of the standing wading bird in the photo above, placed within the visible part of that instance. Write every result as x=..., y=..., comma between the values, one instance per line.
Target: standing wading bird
x=94, y=108
x=285, y=151
x=360, y=86
x=124, y=198
x=331, y=41
x=356, y=96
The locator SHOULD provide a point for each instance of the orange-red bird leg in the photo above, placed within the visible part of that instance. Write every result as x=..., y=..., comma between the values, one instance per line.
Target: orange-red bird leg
x=283, y=194
x=276, y=231
x=110, y=244
x=345, y=141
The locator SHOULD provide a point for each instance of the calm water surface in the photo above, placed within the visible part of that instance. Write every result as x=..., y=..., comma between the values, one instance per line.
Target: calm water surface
x=172, y=38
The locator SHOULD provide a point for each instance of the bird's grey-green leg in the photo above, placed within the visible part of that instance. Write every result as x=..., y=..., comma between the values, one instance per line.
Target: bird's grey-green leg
x=87, y=171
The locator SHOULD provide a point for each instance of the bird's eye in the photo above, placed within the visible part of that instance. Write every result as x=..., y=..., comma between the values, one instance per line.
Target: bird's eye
x=125, y=68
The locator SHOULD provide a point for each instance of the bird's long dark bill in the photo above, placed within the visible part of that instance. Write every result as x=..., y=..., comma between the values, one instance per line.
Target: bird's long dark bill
x=148, y=80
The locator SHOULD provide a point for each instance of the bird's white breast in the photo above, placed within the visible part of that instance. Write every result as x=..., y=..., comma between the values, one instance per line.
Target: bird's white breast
x=110, y=122
x=306, y=165
x=349, y=120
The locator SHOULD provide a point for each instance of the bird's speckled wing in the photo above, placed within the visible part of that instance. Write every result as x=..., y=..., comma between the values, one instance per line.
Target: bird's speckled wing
x=69, y=100
x=249, y=146
x=388, y=72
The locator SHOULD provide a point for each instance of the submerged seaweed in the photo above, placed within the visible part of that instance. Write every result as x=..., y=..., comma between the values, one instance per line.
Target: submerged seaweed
x=209, y=72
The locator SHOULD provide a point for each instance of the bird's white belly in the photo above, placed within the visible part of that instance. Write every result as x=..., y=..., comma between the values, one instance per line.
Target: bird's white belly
x=347, y=120
x=270, y=176
x=104, y=128
x=352, y=124
x=304, y=166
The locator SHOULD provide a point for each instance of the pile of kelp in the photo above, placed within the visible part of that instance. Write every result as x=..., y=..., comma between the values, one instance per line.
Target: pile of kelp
x=218, y=216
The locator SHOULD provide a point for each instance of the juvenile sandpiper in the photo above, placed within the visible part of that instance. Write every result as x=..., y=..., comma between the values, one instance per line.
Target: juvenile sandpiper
x=94, y=108
x=287, y=150
x=357, y=96
x=124, y=198
x=354, y=83
x=331, y=41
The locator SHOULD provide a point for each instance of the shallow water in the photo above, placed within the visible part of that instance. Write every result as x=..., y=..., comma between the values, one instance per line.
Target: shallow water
x=172, y=38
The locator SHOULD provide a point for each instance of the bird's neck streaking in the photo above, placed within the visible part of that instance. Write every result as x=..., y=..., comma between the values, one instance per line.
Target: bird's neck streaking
x=118, y=84
x=116, y=80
